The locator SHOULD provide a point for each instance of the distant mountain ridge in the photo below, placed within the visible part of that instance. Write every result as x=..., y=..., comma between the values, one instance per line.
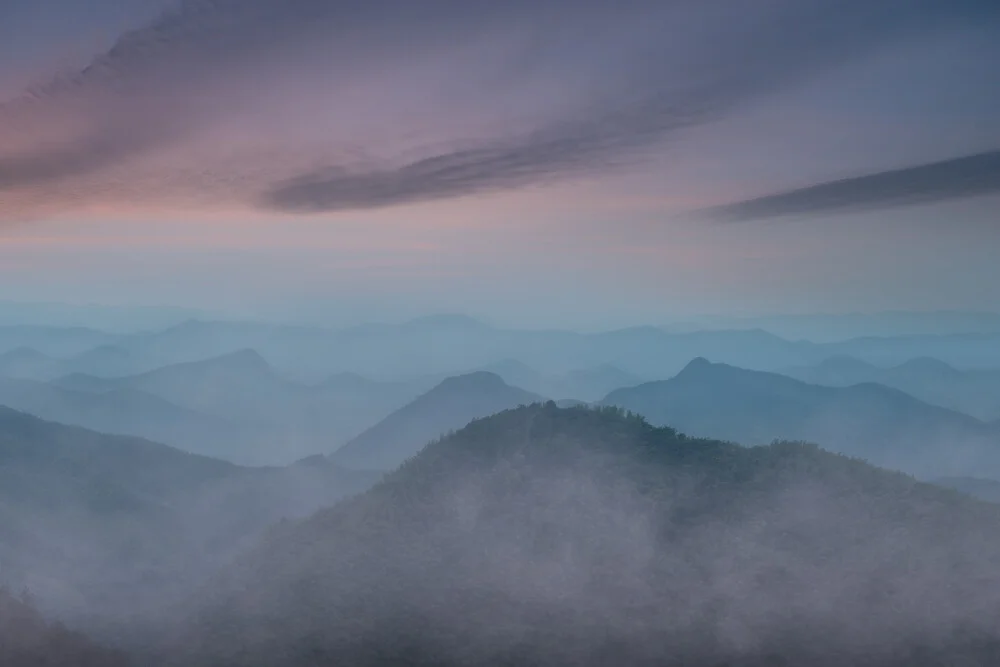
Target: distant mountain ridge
x=448, y=344
x=886, y=426
x=273, y=419
x=125, y=411
x=27, y=363
x=449, y=406
x=975, y=392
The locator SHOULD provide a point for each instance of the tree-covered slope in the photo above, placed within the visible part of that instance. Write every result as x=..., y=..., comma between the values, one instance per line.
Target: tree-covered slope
x=588, y=537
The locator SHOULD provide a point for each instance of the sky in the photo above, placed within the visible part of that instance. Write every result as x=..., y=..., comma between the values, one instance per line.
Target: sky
x=554, y=162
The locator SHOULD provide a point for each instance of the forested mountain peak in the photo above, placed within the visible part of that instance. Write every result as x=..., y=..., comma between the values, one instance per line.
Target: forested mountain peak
x=543, y=535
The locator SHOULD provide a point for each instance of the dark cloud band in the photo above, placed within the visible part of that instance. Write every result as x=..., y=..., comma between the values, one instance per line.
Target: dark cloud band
x=927, y=183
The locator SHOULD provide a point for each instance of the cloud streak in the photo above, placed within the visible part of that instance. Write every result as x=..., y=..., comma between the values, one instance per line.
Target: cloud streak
x=554, y=151
x=927, y=183
x=443, y=100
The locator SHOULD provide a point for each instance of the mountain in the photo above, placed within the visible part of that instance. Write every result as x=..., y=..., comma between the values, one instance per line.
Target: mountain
x=543, y=536
x=883, y=425
x=194, y=339
x=103, y=527
x=105, y=361
x=279, y=420
x=233, y=386
x=823, y=328
x=448, y=406
x=26, y=363
x=966, y=350
x=127, y=411
x=449, y=343
x=973, y=392
x=53, y=341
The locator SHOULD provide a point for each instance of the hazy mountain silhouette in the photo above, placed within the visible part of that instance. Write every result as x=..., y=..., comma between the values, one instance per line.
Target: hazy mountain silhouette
x=967, y=351
x=450, y=405
x=234, y=385
x=974, y=392
x=883, y=425
x=835, y=327
x=583, y=537
x=59, y=342
x=26, y=363
x=102, y=527
x=127, y=411
x=280, y=420
x=194, y=340
x=447, y=343
x=106, y=361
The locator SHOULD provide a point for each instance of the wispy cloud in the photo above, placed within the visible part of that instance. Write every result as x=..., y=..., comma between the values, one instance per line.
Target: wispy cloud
x=555, y=150
x=927, y=183
x=441, y=98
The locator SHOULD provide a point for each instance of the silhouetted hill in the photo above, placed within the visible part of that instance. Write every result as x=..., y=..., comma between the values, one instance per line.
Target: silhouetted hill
x=59, y=342
x=448, y=406
x=877, y=423
x=278, y=420
x=26, y=363
x=27, y=639
x=101, y=527
x=106, y=361
x=833, y=327
x=84, y=382
x=544, y=536
x=221, y=385
x=124, y=411
x=196, y=339
x=966, y=350
x=973, y=392
x=442, y=344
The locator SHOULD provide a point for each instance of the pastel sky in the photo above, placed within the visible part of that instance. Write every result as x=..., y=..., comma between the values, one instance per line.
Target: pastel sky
x=581, y=162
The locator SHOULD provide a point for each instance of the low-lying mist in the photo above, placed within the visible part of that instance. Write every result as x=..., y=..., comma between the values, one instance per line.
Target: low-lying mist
x=547, y=536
